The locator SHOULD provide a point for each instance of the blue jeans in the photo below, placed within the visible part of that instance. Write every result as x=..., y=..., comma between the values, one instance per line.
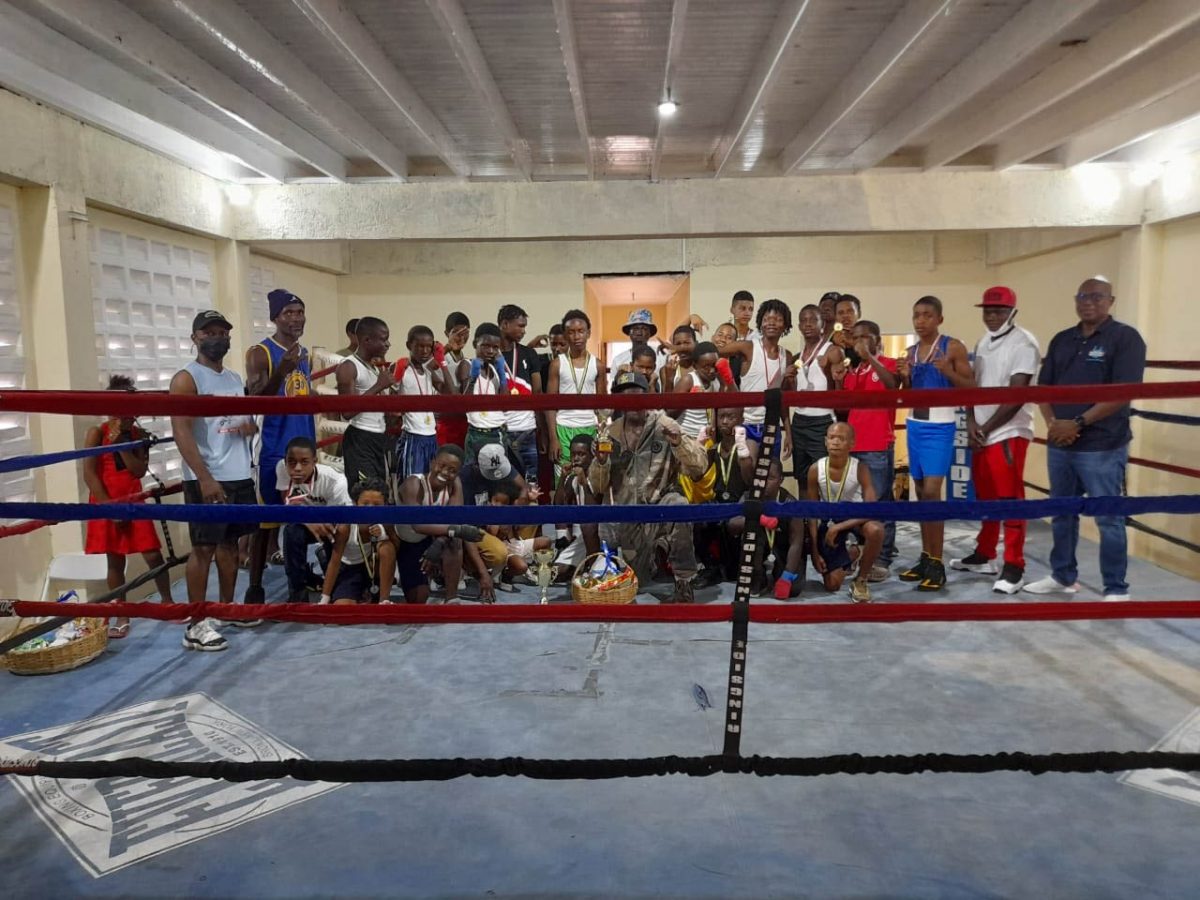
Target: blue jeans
x=523, y=445
x=1096, y=473
x=882, y=466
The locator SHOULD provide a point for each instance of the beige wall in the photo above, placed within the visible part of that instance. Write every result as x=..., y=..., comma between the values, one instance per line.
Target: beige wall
x=409, y=284
x=324, y=325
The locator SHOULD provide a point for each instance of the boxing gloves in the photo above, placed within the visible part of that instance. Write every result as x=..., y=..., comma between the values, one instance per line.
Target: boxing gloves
x=768, y=521
x=783, y=587
x=439, y=355
x=502, y=373
x=470, y=533
x=476, y=368
x=400, y=368
x=725, y=372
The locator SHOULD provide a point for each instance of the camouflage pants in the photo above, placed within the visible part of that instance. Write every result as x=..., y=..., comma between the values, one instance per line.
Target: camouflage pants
x=637, y=541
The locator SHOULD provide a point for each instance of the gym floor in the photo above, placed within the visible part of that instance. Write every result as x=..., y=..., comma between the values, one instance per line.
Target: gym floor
x=572, y=690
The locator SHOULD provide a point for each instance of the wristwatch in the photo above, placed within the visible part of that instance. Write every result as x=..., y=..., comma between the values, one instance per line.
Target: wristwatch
x=1080, y=422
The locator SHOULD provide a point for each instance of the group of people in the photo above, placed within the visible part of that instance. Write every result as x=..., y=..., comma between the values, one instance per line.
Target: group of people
x=665, y=456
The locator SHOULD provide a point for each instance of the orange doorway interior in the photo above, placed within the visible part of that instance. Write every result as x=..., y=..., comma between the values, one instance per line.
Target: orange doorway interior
x=609, y=299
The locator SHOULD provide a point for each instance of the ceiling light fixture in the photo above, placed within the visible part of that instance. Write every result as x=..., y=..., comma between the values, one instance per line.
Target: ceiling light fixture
x=667, y=107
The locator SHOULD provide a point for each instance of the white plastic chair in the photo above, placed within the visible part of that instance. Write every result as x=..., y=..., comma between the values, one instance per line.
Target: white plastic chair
x=80, y=569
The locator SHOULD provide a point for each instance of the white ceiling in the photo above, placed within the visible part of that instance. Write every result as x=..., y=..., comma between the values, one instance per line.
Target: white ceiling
x=568, y=89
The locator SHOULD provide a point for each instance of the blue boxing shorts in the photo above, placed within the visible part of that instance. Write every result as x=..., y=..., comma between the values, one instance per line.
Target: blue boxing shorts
x=930, y=448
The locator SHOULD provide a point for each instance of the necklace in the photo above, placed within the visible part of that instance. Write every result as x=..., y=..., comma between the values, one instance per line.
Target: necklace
x=841, y=484
x=766, y=364
x=423, y=388
x=579, y=382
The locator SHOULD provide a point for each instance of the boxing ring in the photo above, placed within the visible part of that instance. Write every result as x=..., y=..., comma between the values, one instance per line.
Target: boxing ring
x=901, y=706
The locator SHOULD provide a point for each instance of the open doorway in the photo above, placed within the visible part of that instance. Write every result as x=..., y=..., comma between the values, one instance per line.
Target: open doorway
x=610, y=299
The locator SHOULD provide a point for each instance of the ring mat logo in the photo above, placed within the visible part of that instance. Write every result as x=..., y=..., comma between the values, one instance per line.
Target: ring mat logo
x=1185, y=786
x=108, y=824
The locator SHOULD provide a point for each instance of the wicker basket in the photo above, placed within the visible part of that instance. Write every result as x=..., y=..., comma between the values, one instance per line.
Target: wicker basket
x=622, y=594
x=47, y=660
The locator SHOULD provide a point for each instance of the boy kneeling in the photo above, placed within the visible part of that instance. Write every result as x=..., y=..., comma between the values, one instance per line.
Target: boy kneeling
x=838, y=478
x=362, y=566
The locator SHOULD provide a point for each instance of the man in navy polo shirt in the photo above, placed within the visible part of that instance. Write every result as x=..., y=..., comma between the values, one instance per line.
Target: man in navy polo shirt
x=1089, y=442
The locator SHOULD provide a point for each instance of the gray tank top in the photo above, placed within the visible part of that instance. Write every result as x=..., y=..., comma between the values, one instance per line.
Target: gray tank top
x=224, y=449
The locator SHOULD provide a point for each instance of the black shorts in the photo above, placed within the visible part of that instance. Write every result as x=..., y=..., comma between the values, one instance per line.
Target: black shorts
x=408, y=560
x=354, y=582
x=239, y=492
x=837, y=556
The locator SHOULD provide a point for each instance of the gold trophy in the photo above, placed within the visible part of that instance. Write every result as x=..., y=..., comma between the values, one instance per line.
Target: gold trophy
x=545, y=570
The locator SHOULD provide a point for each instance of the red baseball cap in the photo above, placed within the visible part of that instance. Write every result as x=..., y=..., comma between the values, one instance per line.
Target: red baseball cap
x=999, y=296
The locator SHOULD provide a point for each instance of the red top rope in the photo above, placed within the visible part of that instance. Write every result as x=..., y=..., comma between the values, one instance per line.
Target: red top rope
x=765, y=613
x=140, y=404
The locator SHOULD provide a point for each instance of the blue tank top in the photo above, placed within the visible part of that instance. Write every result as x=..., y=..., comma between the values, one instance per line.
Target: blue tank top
x=926, y=375
x=277, y=431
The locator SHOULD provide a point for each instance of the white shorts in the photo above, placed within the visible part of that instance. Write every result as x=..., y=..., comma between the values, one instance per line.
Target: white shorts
x=572, y=554
x=522, y=547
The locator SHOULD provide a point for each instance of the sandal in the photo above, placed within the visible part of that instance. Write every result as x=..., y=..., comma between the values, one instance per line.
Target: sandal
x=277, y=558
x=116, y=632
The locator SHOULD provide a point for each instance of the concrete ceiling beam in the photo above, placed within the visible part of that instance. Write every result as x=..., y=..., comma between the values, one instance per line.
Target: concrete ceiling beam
x=123, y=30
x=238, y=31
x=564, y=23
x=901, y=34
x=1017, y=40
x=453, y=21
x=342, y=28
x=1132, y=34
x=762, y=79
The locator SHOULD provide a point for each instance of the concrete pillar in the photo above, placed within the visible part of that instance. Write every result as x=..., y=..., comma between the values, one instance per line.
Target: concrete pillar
x=231, y=294
x=60, y=339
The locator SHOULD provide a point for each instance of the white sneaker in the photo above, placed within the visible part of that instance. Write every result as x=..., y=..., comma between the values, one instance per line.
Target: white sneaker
x=1049, y=585
x=975, y=563
x=203, y=636
x=1117, y=598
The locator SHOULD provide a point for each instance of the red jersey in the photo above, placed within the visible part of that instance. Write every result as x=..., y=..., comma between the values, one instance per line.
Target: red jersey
x=872, y=427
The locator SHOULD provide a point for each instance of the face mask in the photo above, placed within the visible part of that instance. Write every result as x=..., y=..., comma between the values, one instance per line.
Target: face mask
x=214, y=348
x=1005, y=328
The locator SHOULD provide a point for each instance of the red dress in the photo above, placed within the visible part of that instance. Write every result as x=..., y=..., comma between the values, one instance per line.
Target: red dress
x=108, y=536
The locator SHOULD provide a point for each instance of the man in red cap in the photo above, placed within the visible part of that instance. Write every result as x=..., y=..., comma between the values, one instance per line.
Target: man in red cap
x=1007, y=356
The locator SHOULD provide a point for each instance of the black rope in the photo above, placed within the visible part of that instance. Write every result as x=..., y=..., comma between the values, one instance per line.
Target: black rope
x=1168, y=418
x=386, y=770
x=751, y=511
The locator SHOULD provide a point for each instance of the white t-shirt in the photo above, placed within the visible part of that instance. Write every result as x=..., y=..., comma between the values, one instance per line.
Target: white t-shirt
x=996, y=361
x=811, y=377
x=418, y=382
x=326, y=487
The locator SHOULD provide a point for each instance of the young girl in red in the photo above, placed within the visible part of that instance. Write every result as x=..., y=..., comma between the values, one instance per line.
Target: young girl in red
x=112, y=476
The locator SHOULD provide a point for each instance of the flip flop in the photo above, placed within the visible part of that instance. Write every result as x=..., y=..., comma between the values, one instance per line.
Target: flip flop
x=116, y=632
x=277, y=558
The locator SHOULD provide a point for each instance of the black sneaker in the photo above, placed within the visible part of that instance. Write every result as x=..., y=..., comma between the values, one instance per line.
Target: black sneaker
x=683, y=591
x=917, y=572
x=1011, y=580
x=976, y=562
x=255, y=595
x=935, y=576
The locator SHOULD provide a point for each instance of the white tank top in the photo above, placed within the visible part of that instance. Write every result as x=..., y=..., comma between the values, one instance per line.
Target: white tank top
x=421, y=385
x=811, y=377
x=693, y=420
x=761, y=374
x=572, y=380
x=833, y=491
x=224, y=449
x=364, y=379
x=486, y=386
